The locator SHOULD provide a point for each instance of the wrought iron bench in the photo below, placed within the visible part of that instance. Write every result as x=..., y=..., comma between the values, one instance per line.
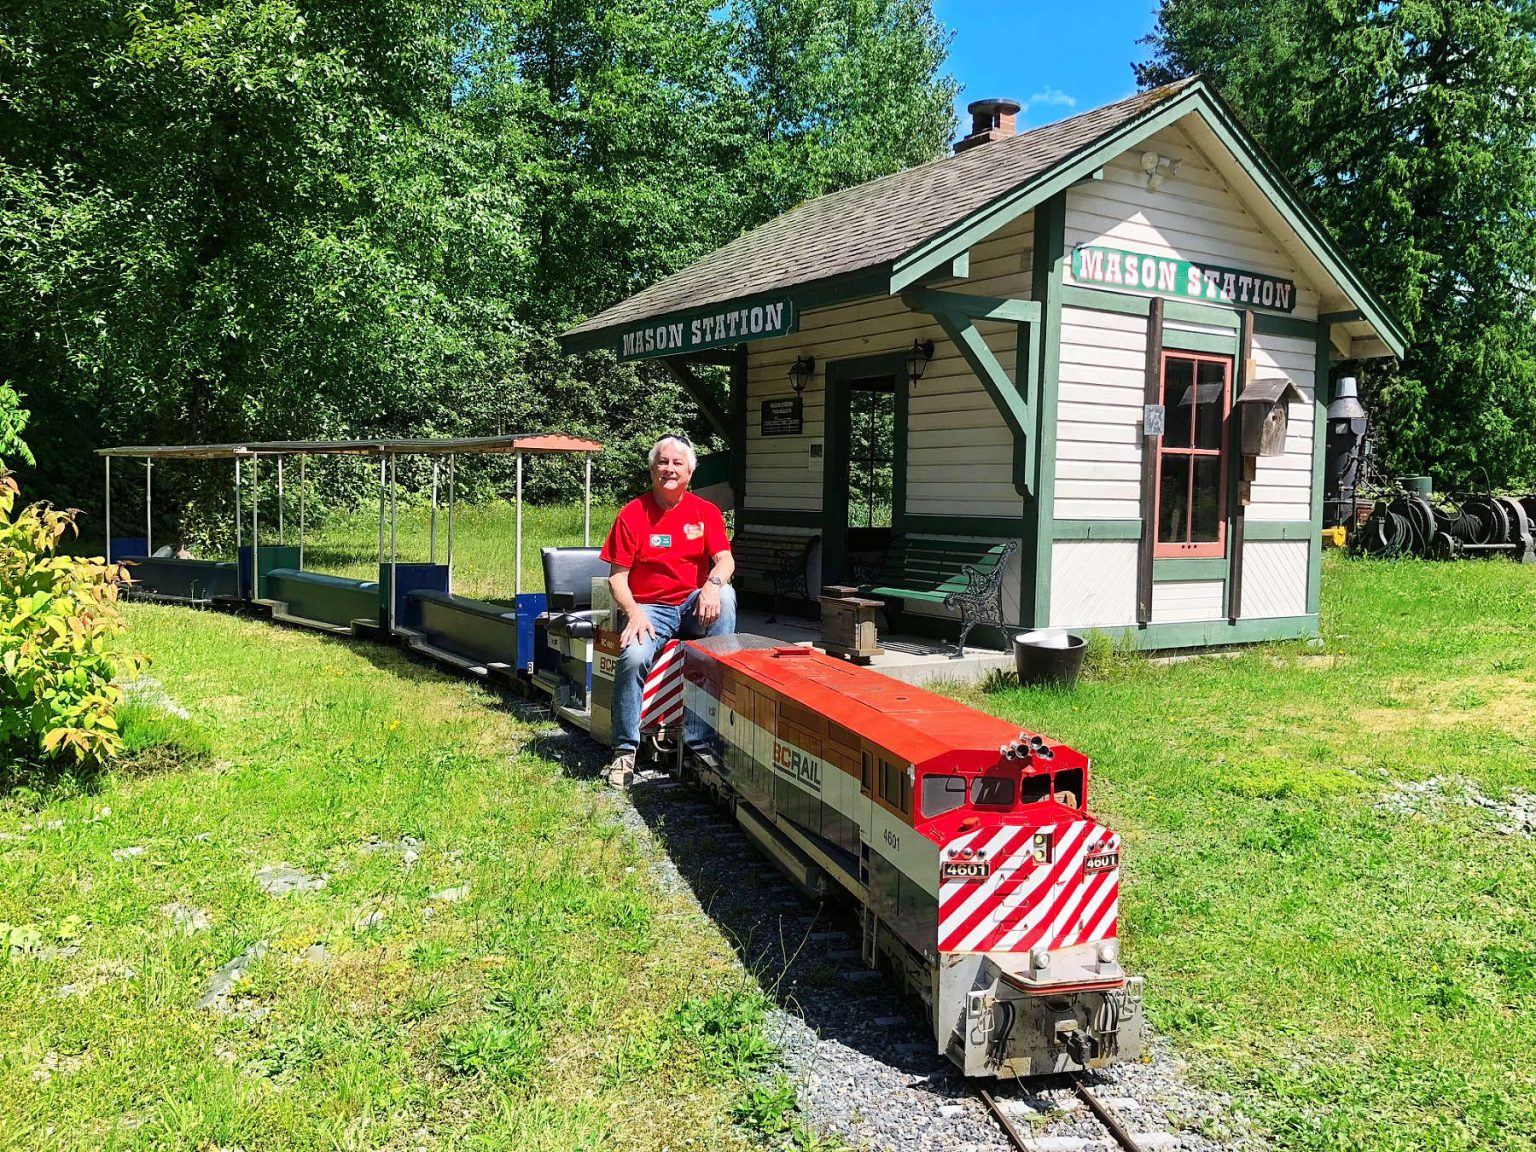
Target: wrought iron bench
x=776, y=566
x=962, y=574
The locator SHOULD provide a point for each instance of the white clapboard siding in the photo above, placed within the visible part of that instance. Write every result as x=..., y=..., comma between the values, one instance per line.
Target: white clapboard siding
x=1093, y=583
x=1282, y=485
x=1098, y=419
x=960, y=453
x=1182, y=601
x=1194, y=215
x=1274, y=578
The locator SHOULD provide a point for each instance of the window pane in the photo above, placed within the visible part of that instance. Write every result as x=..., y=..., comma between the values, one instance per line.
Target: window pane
x=1179, y=400
x=1207, y=526
x=942, y=794
x=992, y=791
x=1211, y=406
x=1173, y=500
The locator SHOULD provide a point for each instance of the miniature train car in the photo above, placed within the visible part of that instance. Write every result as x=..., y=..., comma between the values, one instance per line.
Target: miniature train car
x=985, y=884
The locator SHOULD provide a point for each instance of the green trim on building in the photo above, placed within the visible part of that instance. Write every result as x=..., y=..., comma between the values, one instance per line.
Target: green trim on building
x=1266, y=325
x=1278, y=530
x=1182, y=311
x=1050, y=263
x=1188, y=312
x=1178, y=340
x=1176, y=568
x=1098, y=300
x=1322, y=389
x=1212, y=633
x=1097, y=529
x=971, y=307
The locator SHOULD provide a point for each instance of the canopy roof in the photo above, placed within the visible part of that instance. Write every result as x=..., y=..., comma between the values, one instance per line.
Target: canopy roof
x=532, y=443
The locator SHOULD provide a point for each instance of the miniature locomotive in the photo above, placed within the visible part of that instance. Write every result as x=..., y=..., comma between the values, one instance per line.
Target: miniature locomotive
x=984, y=883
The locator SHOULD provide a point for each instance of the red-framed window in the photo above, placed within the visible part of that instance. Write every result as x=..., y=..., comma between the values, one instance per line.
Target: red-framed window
x=1191, y=459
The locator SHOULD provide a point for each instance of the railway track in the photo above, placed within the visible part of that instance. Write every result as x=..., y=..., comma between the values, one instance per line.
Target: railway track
x=1105, y=1115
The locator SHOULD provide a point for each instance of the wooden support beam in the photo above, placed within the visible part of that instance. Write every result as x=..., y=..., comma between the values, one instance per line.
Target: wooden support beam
x=1013, y=407
x=718, y=419
x=970, y=307
x=1151, y=393
x=1238, y=488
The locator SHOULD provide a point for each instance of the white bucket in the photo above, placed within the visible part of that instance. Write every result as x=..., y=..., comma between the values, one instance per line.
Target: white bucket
x=1045, y=638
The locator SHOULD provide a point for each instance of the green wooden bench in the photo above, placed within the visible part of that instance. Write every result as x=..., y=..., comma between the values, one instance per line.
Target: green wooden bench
x=962, y=574
x=771, y=565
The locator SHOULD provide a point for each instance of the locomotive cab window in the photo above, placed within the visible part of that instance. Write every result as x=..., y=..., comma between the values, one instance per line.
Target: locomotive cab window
x=1033, y=789
x=1069, y=787
x=992, y=792
x=1191, y=464
x=942, y=794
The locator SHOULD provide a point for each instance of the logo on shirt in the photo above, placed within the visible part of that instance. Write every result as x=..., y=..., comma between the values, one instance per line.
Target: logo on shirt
x=661, y=539
x=694, y=531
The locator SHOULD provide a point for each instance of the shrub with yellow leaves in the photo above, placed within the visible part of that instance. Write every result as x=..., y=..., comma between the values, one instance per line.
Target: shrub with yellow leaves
x=58, y=620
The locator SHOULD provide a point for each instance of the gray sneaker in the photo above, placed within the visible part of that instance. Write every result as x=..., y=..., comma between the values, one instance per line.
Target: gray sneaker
x=621, y=773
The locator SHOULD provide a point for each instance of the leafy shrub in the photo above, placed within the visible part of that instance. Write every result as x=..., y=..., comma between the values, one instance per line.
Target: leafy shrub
x=58, y=619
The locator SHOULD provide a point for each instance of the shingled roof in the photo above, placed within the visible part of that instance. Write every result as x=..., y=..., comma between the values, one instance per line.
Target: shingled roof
x=875, y=223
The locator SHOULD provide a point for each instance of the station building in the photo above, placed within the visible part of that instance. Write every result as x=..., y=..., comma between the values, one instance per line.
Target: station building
x=1110, y=340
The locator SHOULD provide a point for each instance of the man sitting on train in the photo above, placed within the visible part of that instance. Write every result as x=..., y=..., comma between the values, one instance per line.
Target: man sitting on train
x=671, y=575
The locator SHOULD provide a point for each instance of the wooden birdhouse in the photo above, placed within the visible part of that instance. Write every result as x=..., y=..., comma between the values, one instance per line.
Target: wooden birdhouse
x=1262, y=412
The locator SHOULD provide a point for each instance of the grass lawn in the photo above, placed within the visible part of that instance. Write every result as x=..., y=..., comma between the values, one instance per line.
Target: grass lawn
x=520, y=1015
x=1354, y=960
x=1360, y=972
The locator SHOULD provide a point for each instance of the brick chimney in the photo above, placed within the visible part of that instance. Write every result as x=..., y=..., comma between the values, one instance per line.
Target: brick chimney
x=990, y=120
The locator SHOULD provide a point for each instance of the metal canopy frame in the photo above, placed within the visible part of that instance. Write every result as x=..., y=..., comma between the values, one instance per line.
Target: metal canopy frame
x=387, y=452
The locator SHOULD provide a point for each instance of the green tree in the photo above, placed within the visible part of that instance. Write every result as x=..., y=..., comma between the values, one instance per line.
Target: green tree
x=1407, y=125
x=294, y=218
x=13, y=421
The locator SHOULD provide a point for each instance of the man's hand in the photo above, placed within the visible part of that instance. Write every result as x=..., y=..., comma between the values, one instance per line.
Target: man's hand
x=638, y=626
x=708, y=610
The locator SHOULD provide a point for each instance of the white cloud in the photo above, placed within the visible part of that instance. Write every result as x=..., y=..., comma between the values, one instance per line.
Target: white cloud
x=1048, y=98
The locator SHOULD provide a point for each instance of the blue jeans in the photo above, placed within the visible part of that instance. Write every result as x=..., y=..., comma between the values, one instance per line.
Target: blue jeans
x=670, y=621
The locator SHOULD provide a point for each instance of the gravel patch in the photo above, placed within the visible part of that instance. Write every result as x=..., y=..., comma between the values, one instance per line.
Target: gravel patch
x=216, y=992
x=281, y=879
x=186, y=917
x=1515, y=816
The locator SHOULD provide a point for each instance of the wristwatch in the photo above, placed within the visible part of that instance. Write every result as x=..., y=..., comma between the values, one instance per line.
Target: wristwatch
x=716, y=581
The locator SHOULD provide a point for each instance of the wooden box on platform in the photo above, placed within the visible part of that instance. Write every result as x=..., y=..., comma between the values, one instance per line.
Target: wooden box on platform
x=848, y=624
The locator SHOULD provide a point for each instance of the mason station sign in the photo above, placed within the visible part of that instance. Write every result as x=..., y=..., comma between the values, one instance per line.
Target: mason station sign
x=732, y=323
x=1118, y=268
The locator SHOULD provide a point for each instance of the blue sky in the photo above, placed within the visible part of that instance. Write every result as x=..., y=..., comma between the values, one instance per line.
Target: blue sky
x=1056, y=57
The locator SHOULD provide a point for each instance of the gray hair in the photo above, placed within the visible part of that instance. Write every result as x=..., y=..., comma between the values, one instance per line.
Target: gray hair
x=682, y=442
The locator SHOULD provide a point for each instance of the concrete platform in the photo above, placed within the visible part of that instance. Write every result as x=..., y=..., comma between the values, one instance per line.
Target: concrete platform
x=912, y=659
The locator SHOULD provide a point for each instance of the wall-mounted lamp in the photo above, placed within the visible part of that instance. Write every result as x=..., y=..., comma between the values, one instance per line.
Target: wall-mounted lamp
x=917, y=359
x=801, y=372
x=1158, y=168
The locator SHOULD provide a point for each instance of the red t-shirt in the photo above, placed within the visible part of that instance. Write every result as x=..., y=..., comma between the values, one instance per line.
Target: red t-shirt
x=667, y=551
